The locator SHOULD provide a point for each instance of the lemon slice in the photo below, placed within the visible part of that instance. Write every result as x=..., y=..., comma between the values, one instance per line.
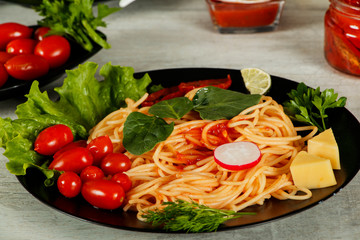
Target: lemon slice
x=256, y=80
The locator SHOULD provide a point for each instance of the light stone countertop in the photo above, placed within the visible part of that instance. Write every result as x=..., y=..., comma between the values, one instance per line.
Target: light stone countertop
x=158, y=34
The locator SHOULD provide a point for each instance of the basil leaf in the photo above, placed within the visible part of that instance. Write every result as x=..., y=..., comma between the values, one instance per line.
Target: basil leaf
x=172, y=108
x=143, y=132
x=215, y=103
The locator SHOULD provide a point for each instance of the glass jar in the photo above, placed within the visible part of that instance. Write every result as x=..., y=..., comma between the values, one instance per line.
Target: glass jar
x=239, y=16
x=342, y=35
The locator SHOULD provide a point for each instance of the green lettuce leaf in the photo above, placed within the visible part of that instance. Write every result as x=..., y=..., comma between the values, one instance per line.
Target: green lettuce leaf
x=83, y=102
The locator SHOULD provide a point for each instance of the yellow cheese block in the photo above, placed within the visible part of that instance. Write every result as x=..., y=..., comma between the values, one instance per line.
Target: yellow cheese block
x=311, y=171
x=324, y=145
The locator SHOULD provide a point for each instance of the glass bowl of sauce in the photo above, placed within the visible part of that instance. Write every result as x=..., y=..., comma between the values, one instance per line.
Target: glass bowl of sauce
x=245, y=16
x=342, y=36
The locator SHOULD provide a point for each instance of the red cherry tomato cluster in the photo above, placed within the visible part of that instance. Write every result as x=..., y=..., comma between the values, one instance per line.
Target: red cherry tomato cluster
x=92, y=170
x=26, y=54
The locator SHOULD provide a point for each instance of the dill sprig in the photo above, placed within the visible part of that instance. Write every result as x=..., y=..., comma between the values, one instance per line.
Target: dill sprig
x=190, y=216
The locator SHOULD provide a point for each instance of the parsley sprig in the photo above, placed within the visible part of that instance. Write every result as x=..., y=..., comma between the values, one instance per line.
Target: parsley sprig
x=75, y=19
x=308, y=105
x=190, y=217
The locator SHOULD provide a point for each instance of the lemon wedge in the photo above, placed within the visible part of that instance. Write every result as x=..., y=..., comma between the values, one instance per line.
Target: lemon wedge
x=256, y=80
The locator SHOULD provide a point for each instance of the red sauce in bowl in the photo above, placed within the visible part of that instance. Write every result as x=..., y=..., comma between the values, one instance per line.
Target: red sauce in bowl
x=245, y=15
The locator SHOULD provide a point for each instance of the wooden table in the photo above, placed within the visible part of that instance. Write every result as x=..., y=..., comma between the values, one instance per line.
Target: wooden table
x=157, y=34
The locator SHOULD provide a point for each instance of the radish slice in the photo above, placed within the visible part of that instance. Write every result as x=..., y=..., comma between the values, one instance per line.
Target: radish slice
x=237, y=155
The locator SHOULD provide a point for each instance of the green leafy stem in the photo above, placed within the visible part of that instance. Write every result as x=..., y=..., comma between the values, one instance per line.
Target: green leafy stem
x=190, y=216
x=309, y=105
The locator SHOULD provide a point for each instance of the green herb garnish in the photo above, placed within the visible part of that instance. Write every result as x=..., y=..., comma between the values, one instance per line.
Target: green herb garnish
x=190, y=217
x=142, y=132
x=308, y=105
x=75, y=19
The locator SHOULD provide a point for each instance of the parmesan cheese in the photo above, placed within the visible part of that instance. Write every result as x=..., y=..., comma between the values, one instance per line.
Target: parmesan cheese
x=312, y=171
x=324, y=145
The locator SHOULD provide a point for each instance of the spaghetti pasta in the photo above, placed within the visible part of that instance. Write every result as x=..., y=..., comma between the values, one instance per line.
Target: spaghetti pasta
x=183, y=166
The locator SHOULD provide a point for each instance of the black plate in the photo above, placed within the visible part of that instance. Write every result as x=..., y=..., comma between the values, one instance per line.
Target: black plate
x=17, y=88
x=345, y=126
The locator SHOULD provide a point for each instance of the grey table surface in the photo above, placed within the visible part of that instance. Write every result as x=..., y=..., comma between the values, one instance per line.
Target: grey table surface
x=158, y=34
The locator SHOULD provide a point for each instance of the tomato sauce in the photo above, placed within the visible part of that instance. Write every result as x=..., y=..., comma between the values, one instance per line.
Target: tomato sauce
x=342, y=35
x=245, y=15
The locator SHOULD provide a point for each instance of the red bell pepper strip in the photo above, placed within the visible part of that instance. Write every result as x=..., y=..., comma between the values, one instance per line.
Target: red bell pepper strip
x=183, y=88
x=223, y=83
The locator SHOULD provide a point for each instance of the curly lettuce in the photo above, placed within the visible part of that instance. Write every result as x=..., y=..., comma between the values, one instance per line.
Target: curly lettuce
x=83, y=102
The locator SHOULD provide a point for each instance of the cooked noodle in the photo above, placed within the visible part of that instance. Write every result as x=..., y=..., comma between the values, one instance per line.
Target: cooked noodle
x=183, y=166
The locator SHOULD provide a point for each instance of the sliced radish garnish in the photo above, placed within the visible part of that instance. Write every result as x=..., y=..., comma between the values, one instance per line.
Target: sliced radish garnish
x=237, y=155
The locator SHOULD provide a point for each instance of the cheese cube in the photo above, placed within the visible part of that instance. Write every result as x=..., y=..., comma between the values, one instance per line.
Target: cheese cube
x=324, y=145
x=311, y=171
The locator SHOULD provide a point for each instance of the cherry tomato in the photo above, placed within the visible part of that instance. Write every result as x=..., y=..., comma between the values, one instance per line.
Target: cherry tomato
x=114, y=163
x=124, y=181
x=10, y=31
x=99, y=148
x=27, y=67
x=69, y=184
x=3, y=75
x=21, y=46
x=51, y=139
x=55, y=49
x=74, y=160
x=91, y=173
x=103, y=194
x=79, y=143
x=4, y=57
x=40, y=33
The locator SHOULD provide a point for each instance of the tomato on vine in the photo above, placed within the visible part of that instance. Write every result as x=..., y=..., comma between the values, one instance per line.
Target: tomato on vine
x=55, y=49
x=10, y=31
x=103, y=194
x=114, y=163
x=124, y=181
x=27, y=67
x=69, y=184
x=99, y=148
x=91, y=173
x=21, y=46
x=51, y=139
x=74, y=160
